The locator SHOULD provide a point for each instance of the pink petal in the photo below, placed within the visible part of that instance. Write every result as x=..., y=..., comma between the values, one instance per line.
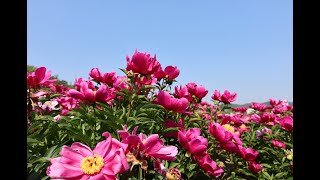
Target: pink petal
x=84, y=150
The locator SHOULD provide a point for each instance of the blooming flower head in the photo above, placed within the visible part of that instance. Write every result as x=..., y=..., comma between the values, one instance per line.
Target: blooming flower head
x=142, y=148
x=142, y=63
x=171, y=103
x=103, y=94
x=78, y=161
x=193, y=142
x=39, y=78
x=107, y=78
x=286, y=123
x=210, y=166
x=170, y=73
x=254, y=167
x=278, y=144
x=226, y=97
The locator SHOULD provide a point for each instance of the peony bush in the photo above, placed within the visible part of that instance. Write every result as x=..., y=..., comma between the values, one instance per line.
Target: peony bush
x=140, y=125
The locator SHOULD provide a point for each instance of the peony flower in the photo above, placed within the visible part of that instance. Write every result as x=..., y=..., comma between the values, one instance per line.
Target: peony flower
x=278, y=144
x=142, y=63
x=209, y=166
x=103, y=94
x=254, y=167
x=286, y=123
x=105, y=161
x=193, y=142
x=248, y=154
x=171, y=103
x=39, y=78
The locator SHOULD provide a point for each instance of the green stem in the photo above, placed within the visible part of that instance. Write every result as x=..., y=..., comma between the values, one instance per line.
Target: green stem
x=140, y=173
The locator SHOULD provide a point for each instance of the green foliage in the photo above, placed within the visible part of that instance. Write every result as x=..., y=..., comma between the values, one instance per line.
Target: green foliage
x=135, y=107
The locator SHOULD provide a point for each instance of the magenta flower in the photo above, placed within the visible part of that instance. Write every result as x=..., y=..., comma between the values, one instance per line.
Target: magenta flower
x=227, y=97
x=96, y=74
x=286, y=123
x=171, y=72
x=248, y=154
x=39, y=78
x=193, y=142
x=107, y=78
x=254, y=167
x=258, y=106
x=121, y=83
x=216, y=95
x=201, y=92
x=171, y=103
x=240, y=109
x=146, y=147
x=80, y=162
x=169, y=124
x=182, y=92
x=78, y=82
x=209, y=166
x=255, y=118
x=103, y=94
x=142, y=63
x=278, y=144
x=226, y=137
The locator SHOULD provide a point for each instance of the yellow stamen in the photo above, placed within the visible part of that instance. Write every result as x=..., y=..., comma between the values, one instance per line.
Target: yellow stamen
x=228, y=127
x=92, y=164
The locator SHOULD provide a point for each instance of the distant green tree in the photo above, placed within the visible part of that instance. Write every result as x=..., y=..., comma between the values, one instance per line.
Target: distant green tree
x=31, y=68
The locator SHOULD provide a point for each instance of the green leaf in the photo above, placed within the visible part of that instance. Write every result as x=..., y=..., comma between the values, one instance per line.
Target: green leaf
x=280, y=174
x=266, y=175
x=266, y=165
x=31, y=140
x=51, y=152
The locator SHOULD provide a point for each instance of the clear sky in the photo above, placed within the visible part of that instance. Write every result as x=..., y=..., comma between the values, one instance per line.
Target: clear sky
x=241, y=46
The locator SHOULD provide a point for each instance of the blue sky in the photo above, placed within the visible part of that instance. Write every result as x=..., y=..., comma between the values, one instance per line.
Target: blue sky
x=241, y=46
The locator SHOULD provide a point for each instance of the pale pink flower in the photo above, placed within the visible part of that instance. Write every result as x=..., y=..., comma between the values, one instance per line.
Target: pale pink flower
x=104, y=162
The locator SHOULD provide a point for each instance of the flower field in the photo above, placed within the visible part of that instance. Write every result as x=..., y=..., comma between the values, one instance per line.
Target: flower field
x=140, y=125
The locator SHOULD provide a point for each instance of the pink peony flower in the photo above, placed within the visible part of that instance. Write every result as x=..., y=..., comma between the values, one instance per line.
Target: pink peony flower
x=278, y=144
x=193, y=142
x=171, y=103
x=286, y=123
x=182, y=92
x=39, y=78
x=103, y=94
x=169, y=124
x=142, y=63
x=80, y=162
x=209, y=166
x=226, y=97
x=107, y=78
x=147, y=147
x=254, y=167
x=248, y=154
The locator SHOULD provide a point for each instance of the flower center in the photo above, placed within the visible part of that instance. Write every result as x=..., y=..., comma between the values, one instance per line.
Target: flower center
x=228, y=127
x=92, y=164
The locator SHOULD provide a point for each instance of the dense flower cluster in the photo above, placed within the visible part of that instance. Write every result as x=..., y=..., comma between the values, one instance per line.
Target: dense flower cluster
x=134, y=126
